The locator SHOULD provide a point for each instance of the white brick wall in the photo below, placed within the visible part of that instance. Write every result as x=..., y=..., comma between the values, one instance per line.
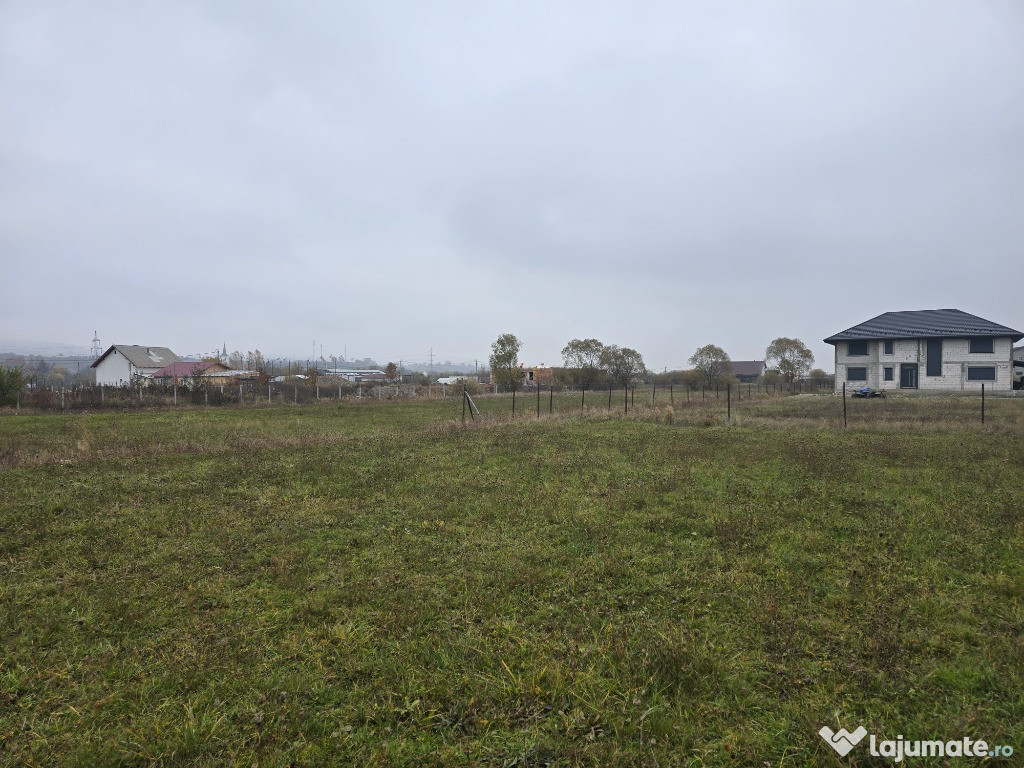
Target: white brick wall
x=956, y=359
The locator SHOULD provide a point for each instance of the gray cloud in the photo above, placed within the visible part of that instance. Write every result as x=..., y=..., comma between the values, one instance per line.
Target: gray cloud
x=399, y=176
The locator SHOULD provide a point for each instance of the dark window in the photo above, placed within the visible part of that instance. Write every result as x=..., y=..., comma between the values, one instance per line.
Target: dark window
x=888, y=373
x=887, y=347
x=856, y=374
x=981, y=345
x=856, y=347
x=933, y=355
x=986, y=373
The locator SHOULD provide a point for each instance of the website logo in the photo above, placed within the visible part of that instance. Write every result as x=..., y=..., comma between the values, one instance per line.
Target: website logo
x=843, y=741
x=898, y=749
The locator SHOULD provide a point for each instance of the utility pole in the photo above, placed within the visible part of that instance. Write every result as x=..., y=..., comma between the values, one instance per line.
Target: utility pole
x=431, y=359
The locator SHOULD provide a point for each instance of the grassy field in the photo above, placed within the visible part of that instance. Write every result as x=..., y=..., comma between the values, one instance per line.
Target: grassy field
x=372, y=584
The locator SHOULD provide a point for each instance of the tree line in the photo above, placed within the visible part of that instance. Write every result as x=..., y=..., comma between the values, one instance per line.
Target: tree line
x=592, y=364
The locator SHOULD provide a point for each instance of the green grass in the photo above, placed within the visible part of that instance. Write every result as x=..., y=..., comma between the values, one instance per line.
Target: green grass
x=371, y=584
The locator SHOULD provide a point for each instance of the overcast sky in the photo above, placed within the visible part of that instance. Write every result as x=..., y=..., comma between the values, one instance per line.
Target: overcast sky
x=390, y=177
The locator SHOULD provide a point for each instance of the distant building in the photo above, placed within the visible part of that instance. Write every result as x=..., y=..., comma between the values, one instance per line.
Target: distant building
x=925, y=349
x=123, y=362
x=214, y=375
x=175, y=373
x=453, y=380
x=539, y=376
x=366, y=374
x=748, y=370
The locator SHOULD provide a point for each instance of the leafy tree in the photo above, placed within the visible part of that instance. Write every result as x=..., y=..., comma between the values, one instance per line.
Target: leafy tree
x=691, y=379
x=391, y=372
x=56, y=376
x=562, y=377
x=236, y=360
x=11, y=382
x=583, y=359
x=466, y=385
x=712, y=363
x=790, y=357
x=623, y=365
x=821, y=378
x=504, y=361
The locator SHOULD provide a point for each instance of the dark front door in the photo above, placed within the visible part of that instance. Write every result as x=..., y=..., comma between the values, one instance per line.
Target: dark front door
x=908, y=375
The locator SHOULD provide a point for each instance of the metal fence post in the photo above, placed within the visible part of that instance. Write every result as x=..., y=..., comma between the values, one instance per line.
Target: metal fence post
x=728, y=402
x=538, y=401
x=982, y=402
x=844, y=403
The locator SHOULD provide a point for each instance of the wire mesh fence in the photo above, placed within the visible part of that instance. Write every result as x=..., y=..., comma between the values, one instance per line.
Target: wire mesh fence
x=721, y=402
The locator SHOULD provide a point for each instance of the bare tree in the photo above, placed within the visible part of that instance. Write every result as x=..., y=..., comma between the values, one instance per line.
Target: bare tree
x=254, y=361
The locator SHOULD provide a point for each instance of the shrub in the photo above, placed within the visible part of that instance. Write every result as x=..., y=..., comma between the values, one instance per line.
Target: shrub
x=11, y=382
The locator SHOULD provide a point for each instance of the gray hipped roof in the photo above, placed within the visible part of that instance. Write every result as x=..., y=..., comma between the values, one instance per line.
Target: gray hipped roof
x=142, y=357
x=924, y=324
x=747, y=367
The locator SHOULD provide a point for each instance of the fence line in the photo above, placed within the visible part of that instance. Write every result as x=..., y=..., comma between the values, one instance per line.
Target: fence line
x=96, y=397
